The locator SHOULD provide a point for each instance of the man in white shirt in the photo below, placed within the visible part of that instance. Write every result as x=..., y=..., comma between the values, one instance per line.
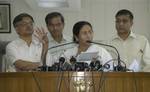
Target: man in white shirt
x=55, y=25
x=134, y=49
x=25, y=53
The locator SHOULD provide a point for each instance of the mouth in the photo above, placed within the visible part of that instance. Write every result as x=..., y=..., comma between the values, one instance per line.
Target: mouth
x=29, y=30
x=121, y=30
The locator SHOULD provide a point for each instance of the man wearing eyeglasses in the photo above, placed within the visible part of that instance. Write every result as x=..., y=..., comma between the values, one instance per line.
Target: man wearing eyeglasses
x=25, y=53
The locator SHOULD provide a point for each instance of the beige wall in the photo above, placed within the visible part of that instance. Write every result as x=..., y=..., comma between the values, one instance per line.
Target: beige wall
x=99, y=12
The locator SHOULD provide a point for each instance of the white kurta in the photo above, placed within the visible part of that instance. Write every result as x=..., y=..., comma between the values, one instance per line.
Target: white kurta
x=103, y=55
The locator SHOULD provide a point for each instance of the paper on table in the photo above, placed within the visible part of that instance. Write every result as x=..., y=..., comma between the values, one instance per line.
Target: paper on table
x=87, y=56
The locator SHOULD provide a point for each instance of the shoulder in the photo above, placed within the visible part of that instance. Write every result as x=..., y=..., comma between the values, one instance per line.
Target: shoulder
x=13, y=46
x=141, y=37
x=14, y=43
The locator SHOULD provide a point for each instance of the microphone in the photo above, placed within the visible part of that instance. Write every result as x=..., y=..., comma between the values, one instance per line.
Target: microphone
x=61, y=65
x=44, y=67
x=78, y=66
x=81, y=66
x=105, y=66
x=119, y=67
x=73, y=63
x=95, y=65
x=61, y=62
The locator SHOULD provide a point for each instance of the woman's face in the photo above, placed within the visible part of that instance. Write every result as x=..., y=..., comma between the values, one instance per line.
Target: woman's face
x=85, y=34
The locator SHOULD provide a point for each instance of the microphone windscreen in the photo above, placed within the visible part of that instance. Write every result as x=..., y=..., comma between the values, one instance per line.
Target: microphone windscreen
x=92, y=64
x=61, y=60
x=73, y=60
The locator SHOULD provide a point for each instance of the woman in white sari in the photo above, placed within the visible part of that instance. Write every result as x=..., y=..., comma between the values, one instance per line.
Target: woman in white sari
x=83, y=32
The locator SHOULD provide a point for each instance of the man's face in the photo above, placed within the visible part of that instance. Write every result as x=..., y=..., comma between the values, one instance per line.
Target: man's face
x=123, y=24
x=85, y=34
x=55, y=26
x=25, y=27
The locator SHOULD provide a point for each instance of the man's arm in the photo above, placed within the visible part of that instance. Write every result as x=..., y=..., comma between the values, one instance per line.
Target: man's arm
x=22, y=65
x=13, y=59
x=146, y=57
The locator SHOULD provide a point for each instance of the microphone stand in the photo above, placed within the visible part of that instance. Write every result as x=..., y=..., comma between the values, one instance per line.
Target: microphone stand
x=44, y=67
x=119, y=67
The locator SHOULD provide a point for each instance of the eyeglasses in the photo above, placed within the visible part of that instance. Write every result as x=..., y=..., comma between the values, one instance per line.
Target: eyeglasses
x=123, y=21
x=23, y=24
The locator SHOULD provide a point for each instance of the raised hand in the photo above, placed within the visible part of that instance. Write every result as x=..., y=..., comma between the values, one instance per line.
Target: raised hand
x=41, y=34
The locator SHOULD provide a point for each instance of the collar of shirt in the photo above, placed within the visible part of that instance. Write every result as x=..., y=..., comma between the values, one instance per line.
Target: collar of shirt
x=22, y=42
x=91, y=48
x=132, y=35
x=52, y=42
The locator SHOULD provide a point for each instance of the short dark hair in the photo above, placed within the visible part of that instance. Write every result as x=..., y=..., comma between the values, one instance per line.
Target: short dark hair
x=125, y=12
x=77, y=27
x=53, y=15
x=19, y=18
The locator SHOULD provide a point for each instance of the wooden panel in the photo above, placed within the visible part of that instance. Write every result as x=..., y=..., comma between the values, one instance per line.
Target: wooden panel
x=50, y=81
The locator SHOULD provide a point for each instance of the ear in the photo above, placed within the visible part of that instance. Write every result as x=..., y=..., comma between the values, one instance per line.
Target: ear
x=17, y=30
x=63, y=26
x=76, y=38
x=131, y=22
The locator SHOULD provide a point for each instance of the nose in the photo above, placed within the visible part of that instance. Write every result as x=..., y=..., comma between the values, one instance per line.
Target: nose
x=89, y=36
x=55, y=27
x=120, y=23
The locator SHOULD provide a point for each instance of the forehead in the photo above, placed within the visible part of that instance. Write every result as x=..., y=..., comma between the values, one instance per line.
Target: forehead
x=123, y=17
x=26, y=19
x=55, y=20
x=86, y=28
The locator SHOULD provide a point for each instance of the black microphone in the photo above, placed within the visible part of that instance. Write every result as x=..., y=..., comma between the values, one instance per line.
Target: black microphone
x=105, y=66
x=92, y=65
x=119, y=67
x=61, y=62
x=44, y=67
x=78, y=66
x=60, y=66
x=95, y=65
x=73, y=63
x=64, y=66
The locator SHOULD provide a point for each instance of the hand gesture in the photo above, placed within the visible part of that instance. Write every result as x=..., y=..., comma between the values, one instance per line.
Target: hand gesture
x=41, y=34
